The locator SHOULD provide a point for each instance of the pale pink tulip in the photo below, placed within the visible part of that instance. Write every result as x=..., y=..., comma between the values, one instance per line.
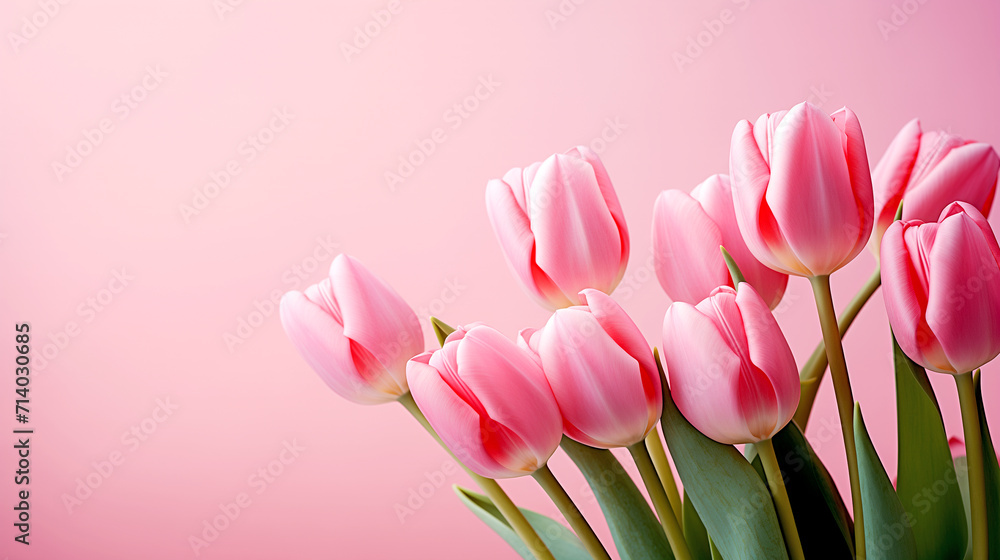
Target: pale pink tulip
x=560, y=226
x=489, y=402
x=802, y=189
x=941, y=285
x=355, y=331
x=687, y=233
x=601, y=371
x=931, y=170
x=732, y=374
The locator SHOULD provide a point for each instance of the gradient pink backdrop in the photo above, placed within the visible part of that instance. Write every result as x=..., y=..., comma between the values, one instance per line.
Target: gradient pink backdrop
x=561, y=80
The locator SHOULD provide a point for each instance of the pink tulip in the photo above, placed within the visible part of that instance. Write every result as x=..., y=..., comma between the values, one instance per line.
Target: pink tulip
x=802, y=189
x=931, y=170
x=560, y=226
x=489, y=402
x=731, y=372
x=601, y=371
x=941, y=285
x=687, y=233
x=355, y=331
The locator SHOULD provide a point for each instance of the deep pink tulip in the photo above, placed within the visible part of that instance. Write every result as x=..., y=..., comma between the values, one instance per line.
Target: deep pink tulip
x=731, y=372
x=560, y=226
x=802, y=189
x=489, y=402
x=601, y=371
x=355, y=331
x=687, y=233
x=932, y=170
x=941, y=285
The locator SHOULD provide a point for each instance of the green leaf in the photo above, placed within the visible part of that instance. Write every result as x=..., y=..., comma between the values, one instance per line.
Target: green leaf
x=823, y=521
x=992, y=472
x=734, y=269
x=563, y=544
x=694, y=532
x=962, y=473
x=441, y=329
x=926, y=478
x=733, y=502
x=637, y=533
x=887, y=526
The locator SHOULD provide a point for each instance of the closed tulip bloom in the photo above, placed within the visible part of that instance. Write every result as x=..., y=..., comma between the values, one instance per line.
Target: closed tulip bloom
x=489, y=402
x=601, y=371
x=732, y=374
x=687, y=233
x=941, y=285
x=802, y=189
x=931, y=170
x=560, y=226
x=355, y=331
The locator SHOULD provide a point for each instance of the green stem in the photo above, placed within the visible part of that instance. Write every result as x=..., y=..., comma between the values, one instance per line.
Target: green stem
x=666, y=474
x=500, y=499
x=813, y=370
x=974, y=457
x=660, y=502
x=775, y=481
x=845, y=399
x=548, y=482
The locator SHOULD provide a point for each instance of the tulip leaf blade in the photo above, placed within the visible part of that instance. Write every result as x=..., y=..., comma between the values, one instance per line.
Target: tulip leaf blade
x=733, y=502
x=925, y=465
x=563, y=544
x=822, y=518
x=441, y=329
x=992, y=473
x=888, y=534
x=694, y=532
x=636, y=531
x=734, y=269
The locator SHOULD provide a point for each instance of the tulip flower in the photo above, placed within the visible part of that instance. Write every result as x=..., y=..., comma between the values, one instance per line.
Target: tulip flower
x=601, y=371
x=941, y=285
x=488, y=401
x=802, y=189
x=355, y=331
x=560, y=226
x=731, y=372
x=687, y=233
x=931, y=170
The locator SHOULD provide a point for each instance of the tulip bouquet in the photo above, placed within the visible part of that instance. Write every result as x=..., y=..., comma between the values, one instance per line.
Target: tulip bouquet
x=799, y=200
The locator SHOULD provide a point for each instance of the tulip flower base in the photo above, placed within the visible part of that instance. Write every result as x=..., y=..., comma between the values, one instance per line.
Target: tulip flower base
x=799, y=200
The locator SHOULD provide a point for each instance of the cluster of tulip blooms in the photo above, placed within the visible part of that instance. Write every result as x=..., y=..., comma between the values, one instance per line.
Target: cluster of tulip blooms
x=799, y=200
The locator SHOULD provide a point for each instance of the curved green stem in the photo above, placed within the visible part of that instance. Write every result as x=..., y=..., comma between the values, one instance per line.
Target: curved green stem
x=655, y=447
x=845, y=398
x=775, y=481
x=548, y=482
x=658, y=495
x=491, y=488
x=974, y=456
x=813, y=370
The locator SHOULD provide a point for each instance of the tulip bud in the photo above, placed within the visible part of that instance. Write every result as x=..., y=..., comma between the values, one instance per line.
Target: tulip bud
x=687, y=233
x=732, y=374
x=802, y=189
x=488, y=401
x=601, y=371
x=355, y=331
x=560, y=226
x=931, y=170
x=941, y=286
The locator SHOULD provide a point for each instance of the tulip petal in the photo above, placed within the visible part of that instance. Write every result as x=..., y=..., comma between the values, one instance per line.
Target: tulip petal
x=968, y=173
x=686, y=244
x=892, y=175
x=610, y=198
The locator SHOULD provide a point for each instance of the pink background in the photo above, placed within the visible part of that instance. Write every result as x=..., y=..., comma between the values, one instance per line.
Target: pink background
x=322, y=176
